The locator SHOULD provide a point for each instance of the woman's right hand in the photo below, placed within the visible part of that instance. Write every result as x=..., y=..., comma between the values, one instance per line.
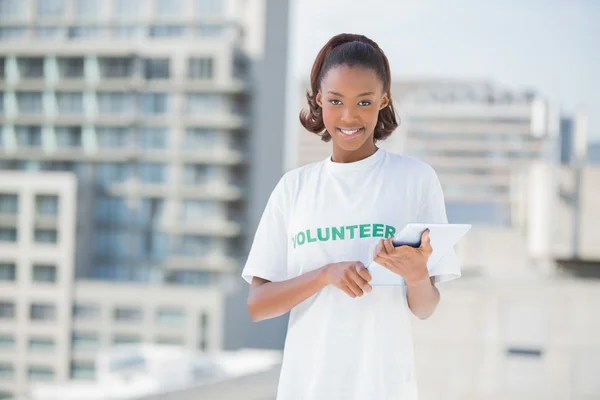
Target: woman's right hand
x=351, y=277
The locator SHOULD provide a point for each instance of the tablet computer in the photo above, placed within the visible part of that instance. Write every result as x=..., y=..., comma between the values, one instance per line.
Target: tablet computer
x=443, y=238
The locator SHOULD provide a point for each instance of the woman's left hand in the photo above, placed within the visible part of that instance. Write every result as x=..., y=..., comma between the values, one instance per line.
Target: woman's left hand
x=408, y=262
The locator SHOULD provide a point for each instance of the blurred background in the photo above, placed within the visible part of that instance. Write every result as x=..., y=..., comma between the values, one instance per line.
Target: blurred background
x=140, y=141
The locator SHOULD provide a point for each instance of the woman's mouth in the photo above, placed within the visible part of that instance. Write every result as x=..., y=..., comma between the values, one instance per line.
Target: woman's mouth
x=350, y=133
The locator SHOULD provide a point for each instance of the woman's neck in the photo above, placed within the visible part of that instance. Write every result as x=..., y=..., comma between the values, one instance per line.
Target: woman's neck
x=344, y=156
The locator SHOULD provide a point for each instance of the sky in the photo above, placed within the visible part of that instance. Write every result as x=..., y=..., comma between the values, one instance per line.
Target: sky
x=551, y=46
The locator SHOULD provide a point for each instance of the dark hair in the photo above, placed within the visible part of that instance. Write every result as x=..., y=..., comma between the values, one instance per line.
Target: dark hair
x=351, y=50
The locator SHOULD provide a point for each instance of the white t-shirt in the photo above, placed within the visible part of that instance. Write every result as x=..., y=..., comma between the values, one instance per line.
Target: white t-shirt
x=338, y=347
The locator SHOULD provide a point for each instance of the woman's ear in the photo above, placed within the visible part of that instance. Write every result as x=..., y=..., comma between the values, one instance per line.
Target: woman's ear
x=385, y=101
x=319, y=99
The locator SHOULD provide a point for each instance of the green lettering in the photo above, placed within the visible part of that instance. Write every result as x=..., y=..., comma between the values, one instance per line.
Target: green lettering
x=337, y=233
x=321, y=237
x=377, y=230
x=300, y=238
x=352, y=228
x=309, y=239
x=390, y=231
x=365, y=230
x=294, y=241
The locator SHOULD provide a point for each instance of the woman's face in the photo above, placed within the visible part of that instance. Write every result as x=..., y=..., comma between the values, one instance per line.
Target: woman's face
x=351, y=98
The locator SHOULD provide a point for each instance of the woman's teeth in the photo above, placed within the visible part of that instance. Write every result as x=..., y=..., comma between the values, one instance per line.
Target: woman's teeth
x=349, y=131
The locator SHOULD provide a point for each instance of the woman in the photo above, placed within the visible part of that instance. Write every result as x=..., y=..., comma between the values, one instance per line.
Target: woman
x=347, y=340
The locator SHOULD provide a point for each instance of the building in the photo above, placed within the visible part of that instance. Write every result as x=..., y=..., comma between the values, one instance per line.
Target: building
x=594, y=153
x=151, y=107
x=474, y=135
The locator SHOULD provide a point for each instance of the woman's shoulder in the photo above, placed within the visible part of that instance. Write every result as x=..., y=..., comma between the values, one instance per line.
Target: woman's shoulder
x=410, y=164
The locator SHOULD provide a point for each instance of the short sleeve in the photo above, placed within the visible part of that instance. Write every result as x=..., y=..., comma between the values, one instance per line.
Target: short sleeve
x=267, y=258
x=433, y=210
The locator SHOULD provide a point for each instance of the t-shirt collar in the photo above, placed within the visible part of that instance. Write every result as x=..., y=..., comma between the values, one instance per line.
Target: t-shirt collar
x=337, y=167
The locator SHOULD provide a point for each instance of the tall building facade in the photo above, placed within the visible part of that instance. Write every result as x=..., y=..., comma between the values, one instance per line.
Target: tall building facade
x=147, y=105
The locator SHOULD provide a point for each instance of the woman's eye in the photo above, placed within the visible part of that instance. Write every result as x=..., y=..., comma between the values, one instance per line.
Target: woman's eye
x=335, y=102
x=364, y=103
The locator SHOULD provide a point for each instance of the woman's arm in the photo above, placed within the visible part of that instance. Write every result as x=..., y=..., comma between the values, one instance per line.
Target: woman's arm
x=268, y=299
x=423, y=297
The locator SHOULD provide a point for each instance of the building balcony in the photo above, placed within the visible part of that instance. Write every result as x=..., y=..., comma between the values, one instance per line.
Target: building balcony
x=220, y=228
x=218, y=191
x=218, y=121
x=214, y=262
x=216, y=156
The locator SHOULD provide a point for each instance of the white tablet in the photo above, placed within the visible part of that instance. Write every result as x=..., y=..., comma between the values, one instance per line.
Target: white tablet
x=443, y=238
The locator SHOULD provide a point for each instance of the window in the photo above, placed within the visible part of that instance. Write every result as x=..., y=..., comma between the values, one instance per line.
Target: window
x=127, y=8
x=47, y=236
x=112, y=245
x=2, y=67
x=8, y=271
x=193, y=245
x=203, y=331
x=83, y=370
x=29, y=102
x=41, y=344
x=6, y=341
x=42, y=312
x=199, y=210
x=127, y=31
x=192, y=278
x=9, y=204
x=152, y=172
x=87, y=32
x=204, y=103
x=50, y=8
x=198, y=174
x=88, y=8
x=162, y=31
x=112, y=210
x=156, y=68
x=7, y=310
x=128, y=314
x=153, y=138
x=11, y=10
x=69, y=102
x=170, y=8
x=115, y=103
x=35, y=374
x=68, y=137
x=85, y=341
x=9, y=33
x=71, y=67
x=32, y=67
x=212, y=7
x=126, y=339
x=50, y=33
x=210, y=30
x=116, y=67
x=200, y=68
x=110, y=173
x=113, y=138
x=176, y=341
x=198, y=138
x=170, y=316
x=46, y=205
x=86, y=311
x=29, y=136
x=44, y=273
x=154, y=103
x=6, y=371
x=8, y=234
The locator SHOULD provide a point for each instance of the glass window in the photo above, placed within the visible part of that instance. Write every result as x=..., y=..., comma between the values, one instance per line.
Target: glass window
x=71, y=67
x=41, y=344
x=193, y=278
x=83, y=370
x=35, y=374
x=69, y=102
x=116, y=67
x=204, y=103
x=112, y=245
x=87, y=32
x=154, y=246
x=198, y=174
x=161, y=31
x=127, y=31
x=200, y=138
x=128, y=314
x=115, y=103
x=127, y=8
x=42, y=312
x=88, y=8
x=9, y=33
x=50, y=32
x=194, y=245
x=175, y=341
x=156, y=68
x=203, y=331
x=85, y=341
x=170, y=316
x=151, y=212
x=8, y=271
x=7, y=341
x=50, y=8
x=200, y=68
x=48, y=236
x=112, y=138
x=32, y=67
x=7, y=309
x=44, y=273
x=210, y=30
x=86, y=311
x=153, y=137
x=8, y=234
x=46, y=205
x=169, y=7
x=199, y=210
x=126, y=339
x=68, y=137
x=30, y=102
x=9, y=204
x=152, y=172
x=6, y=371
x=212, y=7
x=29, y=136
x=11, y=10
x=154, y=103
x=111, y=173
x=112, y=210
